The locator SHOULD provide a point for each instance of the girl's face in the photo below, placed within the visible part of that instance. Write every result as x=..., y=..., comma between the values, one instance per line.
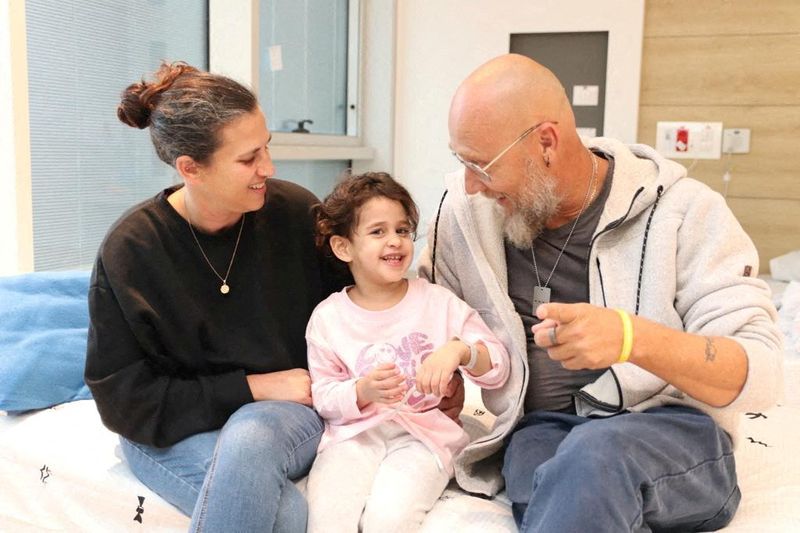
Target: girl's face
x=381, y=248
x=234, y=180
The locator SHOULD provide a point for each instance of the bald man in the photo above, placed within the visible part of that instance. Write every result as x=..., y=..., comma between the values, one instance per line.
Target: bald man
x=626, y=294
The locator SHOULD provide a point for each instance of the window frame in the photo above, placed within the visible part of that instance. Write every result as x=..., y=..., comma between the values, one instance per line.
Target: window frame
x=236, y=53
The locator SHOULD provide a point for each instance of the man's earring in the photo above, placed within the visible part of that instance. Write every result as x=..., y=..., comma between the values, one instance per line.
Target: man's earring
x=547, y=161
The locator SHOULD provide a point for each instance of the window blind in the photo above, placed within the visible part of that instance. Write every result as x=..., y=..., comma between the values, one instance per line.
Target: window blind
x=87, y=167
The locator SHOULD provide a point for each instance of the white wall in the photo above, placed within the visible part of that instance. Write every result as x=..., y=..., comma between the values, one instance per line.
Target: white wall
x=233, y=37
x=8, y=208
x=16, y=230
x=378, y=84
x=439, y=42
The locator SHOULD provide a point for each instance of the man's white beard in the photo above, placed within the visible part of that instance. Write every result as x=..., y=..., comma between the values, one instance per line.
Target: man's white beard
x=532, y=207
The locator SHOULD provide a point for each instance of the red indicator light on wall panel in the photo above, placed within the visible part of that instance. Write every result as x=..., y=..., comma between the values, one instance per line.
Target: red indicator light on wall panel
x=682, y=140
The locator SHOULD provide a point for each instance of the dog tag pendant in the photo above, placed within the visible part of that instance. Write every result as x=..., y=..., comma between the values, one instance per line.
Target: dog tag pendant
x=541, y=295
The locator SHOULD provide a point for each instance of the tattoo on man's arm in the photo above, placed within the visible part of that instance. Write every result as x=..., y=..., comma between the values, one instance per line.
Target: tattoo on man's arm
x=711, y=350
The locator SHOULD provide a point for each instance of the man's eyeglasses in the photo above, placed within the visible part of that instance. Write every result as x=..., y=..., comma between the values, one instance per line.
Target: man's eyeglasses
x=481, y=171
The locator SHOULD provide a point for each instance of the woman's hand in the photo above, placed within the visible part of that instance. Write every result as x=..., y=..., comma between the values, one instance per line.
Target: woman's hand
x=435, y=373
x=384, y=384
x=288, y=385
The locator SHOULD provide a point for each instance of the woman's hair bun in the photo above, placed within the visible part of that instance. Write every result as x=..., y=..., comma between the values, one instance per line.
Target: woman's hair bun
x=139, y=100
x=132, y=110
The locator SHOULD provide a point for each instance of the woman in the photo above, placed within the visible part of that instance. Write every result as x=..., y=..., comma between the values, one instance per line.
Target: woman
x=198, y=303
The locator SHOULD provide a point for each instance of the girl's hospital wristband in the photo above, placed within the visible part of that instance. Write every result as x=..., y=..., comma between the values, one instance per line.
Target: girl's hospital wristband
x=473, y=354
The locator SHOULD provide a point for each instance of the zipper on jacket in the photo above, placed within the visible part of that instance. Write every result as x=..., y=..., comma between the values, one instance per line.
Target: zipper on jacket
x=644, y=247
x=603, y=406
x=602, y=287
x=591, y=400
x=597, y=404
x=611, y=225
x=435, y=238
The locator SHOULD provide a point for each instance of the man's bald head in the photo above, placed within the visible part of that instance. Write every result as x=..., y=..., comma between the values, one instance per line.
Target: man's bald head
x=510, y=92
x=542, y=178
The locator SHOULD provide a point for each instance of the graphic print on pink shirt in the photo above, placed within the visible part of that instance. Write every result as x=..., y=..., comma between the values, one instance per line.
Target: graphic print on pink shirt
x=410, y=352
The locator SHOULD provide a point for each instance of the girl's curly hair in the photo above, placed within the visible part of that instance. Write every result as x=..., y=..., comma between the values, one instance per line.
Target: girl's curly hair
x=338, y=213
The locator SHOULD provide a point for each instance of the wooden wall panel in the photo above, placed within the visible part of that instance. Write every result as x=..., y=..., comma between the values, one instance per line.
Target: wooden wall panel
x=738, y=62
x=770, y=170
x=774, y=225
x=720, y=17
x=726, y=70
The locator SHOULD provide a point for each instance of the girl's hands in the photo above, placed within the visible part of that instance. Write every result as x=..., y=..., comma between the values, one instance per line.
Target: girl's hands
x=435, y=373
x=384, y=384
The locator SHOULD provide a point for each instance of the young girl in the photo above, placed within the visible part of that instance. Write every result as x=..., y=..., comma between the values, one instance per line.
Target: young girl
x=380, y=354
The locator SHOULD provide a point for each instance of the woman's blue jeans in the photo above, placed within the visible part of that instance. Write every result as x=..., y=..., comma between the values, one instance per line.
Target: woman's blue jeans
x=237, y=478
x=665, y=469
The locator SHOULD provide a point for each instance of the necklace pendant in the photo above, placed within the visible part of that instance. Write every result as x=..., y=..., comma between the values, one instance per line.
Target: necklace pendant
x=224, y=289
x=541, y=295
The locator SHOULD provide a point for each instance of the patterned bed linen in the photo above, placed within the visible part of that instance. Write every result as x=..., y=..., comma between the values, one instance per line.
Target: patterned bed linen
x=61, y=472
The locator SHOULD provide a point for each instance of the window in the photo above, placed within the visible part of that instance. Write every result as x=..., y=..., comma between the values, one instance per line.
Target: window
x=303, y=58
x=303, y=66
x=87, y=168
x=308, y=64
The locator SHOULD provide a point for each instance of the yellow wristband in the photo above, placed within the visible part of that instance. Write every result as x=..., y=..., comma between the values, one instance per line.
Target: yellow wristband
x=627, y=336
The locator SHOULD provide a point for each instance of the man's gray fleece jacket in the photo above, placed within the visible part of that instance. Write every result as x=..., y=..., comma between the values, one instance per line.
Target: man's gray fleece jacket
x=665, y=244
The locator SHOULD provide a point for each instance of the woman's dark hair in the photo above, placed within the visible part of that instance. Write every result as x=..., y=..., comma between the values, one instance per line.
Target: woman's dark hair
x=338, y=213
x=185, y=109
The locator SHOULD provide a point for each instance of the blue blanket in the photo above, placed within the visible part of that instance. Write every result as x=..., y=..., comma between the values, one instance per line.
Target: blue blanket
x=43, y=324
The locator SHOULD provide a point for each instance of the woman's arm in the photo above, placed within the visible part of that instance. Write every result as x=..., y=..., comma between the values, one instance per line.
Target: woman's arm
x=136, y=397
x=287, y=385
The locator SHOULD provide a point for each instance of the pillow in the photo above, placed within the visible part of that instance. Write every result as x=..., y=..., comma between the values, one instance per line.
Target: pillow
x=786, y=267
x=789, y=317
x=44, y=318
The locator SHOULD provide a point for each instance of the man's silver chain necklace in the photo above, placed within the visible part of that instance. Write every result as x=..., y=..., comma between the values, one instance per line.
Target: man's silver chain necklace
x=541, y=293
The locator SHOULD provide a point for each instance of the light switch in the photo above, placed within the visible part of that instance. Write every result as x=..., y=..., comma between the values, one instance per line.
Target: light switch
x=585, y=95
x=736, y=140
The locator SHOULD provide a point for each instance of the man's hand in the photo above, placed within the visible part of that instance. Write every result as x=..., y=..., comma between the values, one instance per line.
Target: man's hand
x=384, y=384
x=288, y=385
x=579, y=335
x=453, y=400
x=712, y=370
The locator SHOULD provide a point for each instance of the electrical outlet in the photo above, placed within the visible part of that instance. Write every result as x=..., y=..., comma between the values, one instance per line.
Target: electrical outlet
x=689, y=140
x=736, y=141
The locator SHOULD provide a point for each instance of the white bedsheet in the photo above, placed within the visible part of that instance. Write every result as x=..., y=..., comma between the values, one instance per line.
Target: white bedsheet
x=61, y=472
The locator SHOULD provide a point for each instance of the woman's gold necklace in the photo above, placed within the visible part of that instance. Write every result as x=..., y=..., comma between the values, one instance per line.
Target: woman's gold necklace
x=224, y=288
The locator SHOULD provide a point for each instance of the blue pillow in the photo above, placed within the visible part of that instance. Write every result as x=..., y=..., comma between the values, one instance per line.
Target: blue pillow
x=44, y=318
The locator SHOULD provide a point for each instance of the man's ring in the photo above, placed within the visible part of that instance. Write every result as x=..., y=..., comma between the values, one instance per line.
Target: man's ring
x=553, y=339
